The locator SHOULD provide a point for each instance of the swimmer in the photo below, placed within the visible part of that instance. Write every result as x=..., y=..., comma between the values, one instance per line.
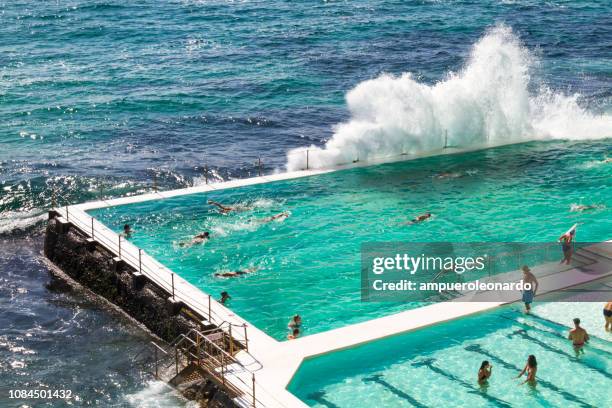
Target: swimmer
x=448, y=175
x=234, y=274
x=484, y=373
x=127, y=231
x=295, y=333
x=222, y=208
x=281, y=216
x=224, y=297
x=578, y=336
x=296, y=321
x=531, y=368
x=582, y=207
x=419, y=219
x=198, y=239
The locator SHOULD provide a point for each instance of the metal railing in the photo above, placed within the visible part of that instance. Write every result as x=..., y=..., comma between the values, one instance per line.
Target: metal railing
x=210, y=352
x=232, y=334
x=176, y=287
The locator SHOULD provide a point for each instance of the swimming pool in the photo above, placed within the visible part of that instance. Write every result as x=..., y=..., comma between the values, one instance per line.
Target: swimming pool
x=308, y=263
x=430, y=367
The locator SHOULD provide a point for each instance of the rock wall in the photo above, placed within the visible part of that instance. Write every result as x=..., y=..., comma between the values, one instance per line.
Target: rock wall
x=93, y=267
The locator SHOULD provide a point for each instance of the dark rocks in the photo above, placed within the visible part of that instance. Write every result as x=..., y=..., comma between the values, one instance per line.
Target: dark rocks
x=95, y=268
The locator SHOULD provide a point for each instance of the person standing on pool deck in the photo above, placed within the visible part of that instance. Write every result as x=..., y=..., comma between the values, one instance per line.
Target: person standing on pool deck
x=607, y=311
x=528, y=295
x=578, y=336
x=566, y=246
x=531, y=368
x=484, y=373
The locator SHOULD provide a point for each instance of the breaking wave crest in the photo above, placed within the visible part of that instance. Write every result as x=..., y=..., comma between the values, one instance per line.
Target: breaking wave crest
x=490, y=102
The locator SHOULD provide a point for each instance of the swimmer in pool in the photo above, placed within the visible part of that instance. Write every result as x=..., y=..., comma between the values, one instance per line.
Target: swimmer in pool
x=578, y=336
x=127, y=231
x=582, y=207
x=419, y=219
x=222, y=208
x=281, y=216
x=295, y=333
x=234, y=274
x=198, y=239
x=448, y=175
x=224, y=297
x=484, y=373
x=531, y=368
x=296, y=321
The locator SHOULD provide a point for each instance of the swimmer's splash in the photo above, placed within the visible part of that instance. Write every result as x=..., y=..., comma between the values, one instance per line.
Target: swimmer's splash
x=487, y=103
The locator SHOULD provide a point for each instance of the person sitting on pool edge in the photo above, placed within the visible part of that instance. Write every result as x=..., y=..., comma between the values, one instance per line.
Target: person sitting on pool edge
x=578, y=336
x=224, y=297
x=295, y=333
x=484, y=373
x=296, y=321
x=528, y=295
x=127, y=231
x=531, y=368
x=198, y=239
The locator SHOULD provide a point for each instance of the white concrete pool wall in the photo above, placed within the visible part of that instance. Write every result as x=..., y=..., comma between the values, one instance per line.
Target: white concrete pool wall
x=275, y=362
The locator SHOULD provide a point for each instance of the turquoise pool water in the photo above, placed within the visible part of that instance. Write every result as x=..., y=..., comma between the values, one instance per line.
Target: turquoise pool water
x=431, y=367
x=309, y=263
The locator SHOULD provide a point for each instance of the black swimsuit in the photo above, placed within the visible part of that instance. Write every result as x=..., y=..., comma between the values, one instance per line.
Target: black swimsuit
x=607, y=312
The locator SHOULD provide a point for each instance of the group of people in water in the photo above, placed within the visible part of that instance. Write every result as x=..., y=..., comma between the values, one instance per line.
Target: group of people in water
x=578, y=336
x=202, y=237
x=294, y=326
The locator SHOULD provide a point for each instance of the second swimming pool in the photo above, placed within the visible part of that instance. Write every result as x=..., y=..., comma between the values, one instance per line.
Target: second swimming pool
x=430, y=367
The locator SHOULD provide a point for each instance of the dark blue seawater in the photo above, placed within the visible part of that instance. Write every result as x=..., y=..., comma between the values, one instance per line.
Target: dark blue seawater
x=107, y=98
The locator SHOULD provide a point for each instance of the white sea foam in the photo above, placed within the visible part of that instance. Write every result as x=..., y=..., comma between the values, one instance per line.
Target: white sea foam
x=19, y=220
x=156, y=394
x=489, y=102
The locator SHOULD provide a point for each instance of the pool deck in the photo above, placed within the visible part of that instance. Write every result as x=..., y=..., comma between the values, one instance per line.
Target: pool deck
x=275, y=363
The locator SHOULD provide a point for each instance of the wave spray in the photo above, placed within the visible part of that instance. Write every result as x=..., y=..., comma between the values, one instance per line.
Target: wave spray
x=489, y=102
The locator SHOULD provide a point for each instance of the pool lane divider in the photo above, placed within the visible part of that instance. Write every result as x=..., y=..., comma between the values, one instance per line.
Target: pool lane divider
x=378, y=378
x=477, y=348
x=429, y=363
